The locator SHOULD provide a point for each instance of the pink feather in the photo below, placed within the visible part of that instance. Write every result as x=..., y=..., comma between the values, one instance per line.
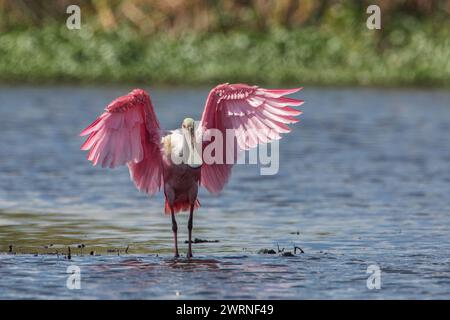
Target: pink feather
x=256, y=114
x=128, y=133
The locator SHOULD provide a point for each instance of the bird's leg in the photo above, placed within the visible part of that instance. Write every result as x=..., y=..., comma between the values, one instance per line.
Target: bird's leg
x=174, y=229
x=190, y=221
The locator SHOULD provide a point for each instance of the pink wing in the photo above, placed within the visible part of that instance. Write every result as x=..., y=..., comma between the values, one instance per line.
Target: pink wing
x=256, y=115
x=128, y=132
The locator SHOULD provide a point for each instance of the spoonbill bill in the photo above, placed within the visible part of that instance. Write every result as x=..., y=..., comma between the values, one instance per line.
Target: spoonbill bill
x=128, y=133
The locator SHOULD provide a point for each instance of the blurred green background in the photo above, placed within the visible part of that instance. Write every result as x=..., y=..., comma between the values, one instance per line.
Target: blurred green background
x=177, y=42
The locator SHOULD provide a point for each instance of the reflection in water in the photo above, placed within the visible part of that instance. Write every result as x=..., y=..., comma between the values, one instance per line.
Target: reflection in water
x=192, y=264
x=363, y=180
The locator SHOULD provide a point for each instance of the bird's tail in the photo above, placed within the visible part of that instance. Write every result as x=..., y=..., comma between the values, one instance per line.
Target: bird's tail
x=180, y=206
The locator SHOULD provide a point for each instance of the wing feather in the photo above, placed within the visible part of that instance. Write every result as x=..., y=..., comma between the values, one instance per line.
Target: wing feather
x=256, y=115
x=128, y=132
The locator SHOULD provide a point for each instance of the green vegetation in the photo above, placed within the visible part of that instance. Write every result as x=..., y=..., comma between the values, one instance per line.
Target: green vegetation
x=334, y=49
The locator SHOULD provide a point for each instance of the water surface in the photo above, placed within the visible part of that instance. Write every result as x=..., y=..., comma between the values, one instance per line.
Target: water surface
x=364, y=179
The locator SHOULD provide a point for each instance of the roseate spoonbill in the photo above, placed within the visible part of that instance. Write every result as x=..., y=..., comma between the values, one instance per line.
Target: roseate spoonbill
x=128, y=132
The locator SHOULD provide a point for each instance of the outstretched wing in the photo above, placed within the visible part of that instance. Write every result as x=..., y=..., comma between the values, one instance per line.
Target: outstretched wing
x=128, y=133
x=256, y=115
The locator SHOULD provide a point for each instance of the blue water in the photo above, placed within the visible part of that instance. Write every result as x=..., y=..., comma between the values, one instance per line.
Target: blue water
x=364, y=179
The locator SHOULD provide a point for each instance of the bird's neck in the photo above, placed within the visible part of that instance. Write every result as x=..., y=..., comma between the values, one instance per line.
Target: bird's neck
x=191, y=150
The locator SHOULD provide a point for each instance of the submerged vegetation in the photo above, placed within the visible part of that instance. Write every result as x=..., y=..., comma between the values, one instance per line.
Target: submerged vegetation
x=199, y=42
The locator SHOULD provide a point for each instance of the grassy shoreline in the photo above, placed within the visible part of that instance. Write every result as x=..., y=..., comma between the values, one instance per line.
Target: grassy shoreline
x=415, y=55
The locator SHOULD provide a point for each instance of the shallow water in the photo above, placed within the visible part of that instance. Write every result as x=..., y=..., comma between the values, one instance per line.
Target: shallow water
x=364, y=179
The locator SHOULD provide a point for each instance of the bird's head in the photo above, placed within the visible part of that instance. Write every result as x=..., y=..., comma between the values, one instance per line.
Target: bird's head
x=193, y=157
x=188, y=126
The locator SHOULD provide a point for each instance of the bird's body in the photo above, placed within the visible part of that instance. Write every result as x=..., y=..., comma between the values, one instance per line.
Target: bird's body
x=128, y=132
x=180, y=180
